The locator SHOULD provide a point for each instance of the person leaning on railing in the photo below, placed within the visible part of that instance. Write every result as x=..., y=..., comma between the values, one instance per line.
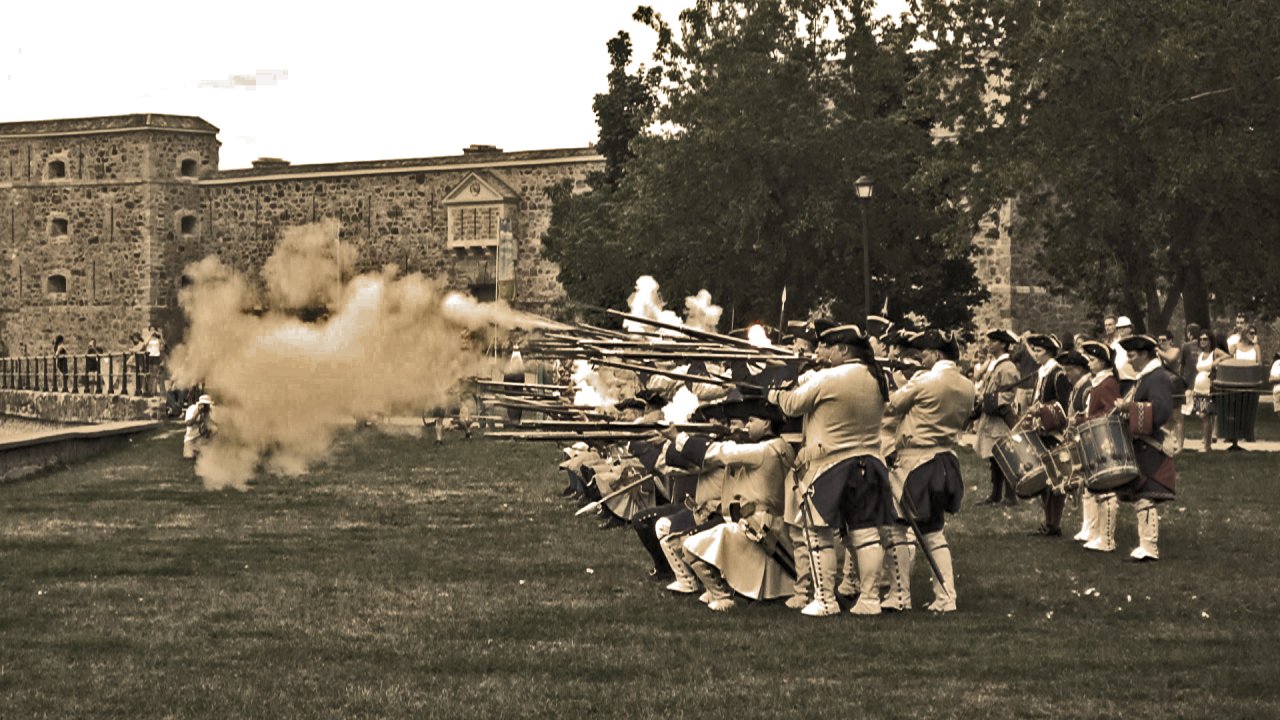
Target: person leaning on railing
x=60, y=362
x=93, y=368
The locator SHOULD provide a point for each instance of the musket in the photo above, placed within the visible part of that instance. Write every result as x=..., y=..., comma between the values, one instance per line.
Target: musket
x=673, y=374
x=910, y=507
x=705, y=428
x=806, y=500
x=607, y=436
x=594, y=505
x=703, y=334
x=536, y=386
x=553, y=409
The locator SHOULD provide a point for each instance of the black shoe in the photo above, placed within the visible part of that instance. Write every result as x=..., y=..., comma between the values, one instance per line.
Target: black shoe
x=568, y=492
x=1048, y=531
x=1010, y=501
x=611, y=523
x=661, y=576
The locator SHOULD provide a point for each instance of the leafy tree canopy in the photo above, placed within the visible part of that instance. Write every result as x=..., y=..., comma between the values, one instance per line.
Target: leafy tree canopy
x=1138, y=139
x=762, y=113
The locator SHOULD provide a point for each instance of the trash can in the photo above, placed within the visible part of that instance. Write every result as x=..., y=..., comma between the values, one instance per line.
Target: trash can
x=1236, y=388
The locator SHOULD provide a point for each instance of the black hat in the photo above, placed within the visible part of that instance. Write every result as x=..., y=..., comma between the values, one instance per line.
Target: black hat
x=947, y=343
x=652, y=397
x=1093, y=348
x=1071, y=357
x=821, y=325
x=878, y=325
x=1045, y=342
x=633, y=403
x=1135, y=343
x=900, y=337
x=1001, y=335
x=749, y=408
x=802, y=329
x=843, y=335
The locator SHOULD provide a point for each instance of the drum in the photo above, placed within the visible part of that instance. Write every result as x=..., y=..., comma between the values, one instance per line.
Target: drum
x=1020, y=456
x=1065, y=466
x=1107, y=452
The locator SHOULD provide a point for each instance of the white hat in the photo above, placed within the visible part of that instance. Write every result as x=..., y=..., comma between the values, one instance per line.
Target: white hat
x=1124, y=321
x=204, y=400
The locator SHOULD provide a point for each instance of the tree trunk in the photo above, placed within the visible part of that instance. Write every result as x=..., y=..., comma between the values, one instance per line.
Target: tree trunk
x=1195, y=297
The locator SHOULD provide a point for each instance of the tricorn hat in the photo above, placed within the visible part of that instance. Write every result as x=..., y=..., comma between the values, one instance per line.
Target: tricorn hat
x=935, y=339
x=1001, y=335
x=878, y=325
x=1045, y=342
x=1093, y=348
x=802, y=329
x=1071, y=357
x=843, y=335
x=1139, y=342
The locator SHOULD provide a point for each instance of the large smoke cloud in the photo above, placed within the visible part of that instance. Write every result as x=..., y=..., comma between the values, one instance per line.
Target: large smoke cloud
x=283, y=386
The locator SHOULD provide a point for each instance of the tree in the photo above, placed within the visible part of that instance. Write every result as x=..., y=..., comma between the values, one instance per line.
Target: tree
x=585, y=238
x=770, y=109
x=1138, y=140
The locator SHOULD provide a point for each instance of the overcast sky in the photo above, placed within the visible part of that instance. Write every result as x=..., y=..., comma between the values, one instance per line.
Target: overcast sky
x=377, y=80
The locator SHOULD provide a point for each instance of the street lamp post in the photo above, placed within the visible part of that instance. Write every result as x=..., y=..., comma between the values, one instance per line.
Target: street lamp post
x=865, y=187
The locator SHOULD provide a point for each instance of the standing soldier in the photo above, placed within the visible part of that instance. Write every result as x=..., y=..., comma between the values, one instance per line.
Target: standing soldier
x=841, y=475
x=1104, y=391
x=933, y=406
x=1149, y=407
x=996, y=389
x=1048, y=414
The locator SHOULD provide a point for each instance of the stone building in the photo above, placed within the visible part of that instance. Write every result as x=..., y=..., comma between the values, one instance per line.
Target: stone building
x=98, y=216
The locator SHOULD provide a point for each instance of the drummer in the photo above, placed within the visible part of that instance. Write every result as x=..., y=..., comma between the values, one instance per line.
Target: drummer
x=1148, y=408
x=1076, y=367
x=995, y=410
x=1047, y=415
x=1103, y=394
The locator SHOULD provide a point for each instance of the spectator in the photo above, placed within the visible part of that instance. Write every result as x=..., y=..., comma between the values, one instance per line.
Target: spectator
x=1246, y=347
x=1187, y=372
x=1275, y=378
x=93, y=368
x=60, y=362
x=1125, y=372
x=1208, y=355
x=1171, y=358
x=1108, y=330
x=1242, y=324
x=154, y=348
x=200, y=427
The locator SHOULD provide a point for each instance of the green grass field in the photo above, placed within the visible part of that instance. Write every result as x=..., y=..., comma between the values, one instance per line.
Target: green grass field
x=402, y=580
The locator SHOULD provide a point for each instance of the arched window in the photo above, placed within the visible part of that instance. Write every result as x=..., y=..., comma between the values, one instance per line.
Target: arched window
x=190, y=167
x=57, y=169
x=56, y=284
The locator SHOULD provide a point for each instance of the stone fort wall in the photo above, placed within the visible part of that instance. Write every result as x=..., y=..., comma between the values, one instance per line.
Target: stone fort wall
x=98, y=217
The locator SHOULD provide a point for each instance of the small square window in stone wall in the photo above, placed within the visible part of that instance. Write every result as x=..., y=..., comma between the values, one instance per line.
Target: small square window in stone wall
x=188, y=224
x=59, y=227
x=57, y=169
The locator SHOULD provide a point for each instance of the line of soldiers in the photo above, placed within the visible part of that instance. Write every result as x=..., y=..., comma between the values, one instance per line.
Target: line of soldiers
x=833, y=477
x=1073, y=387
